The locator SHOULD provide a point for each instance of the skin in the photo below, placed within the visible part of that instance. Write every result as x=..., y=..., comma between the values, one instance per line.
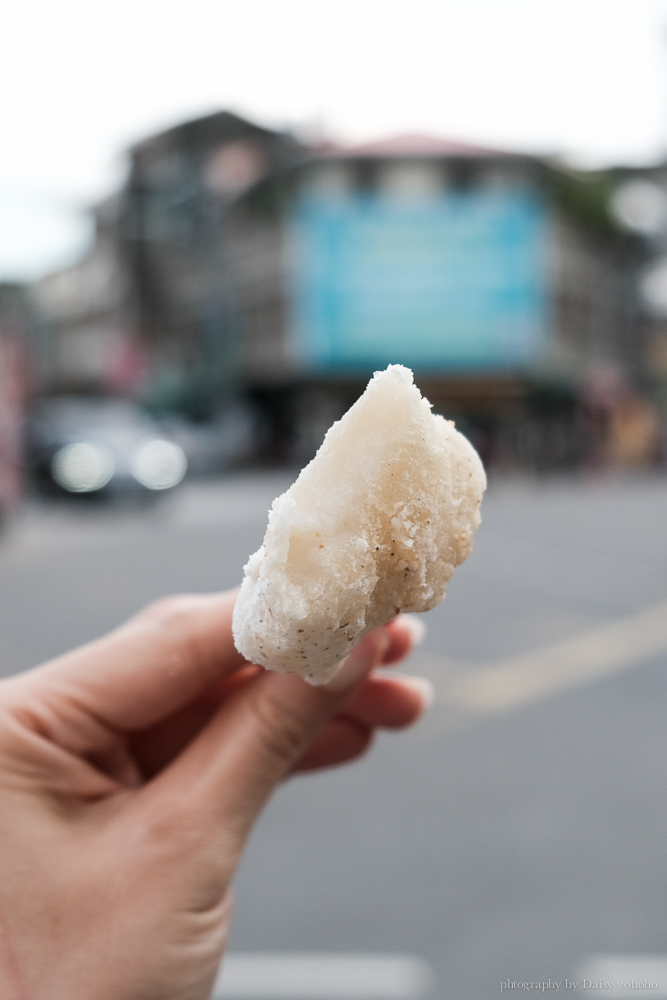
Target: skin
x=131, y=772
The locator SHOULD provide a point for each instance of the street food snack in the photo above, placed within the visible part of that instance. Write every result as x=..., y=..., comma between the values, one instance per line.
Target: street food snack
x=374, y=525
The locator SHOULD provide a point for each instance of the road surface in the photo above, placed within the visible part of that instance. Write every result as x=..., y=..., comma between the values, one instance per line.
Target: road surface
x=518, y=831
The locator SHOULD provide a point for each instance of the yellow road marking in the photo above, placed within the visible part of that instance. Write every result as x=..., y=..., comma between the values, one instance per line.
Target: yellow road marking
x=512, y=682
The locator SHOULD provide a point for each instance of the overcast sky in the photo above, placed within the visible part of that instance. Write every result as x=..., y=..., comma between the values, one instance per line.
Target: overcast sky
x=81, y=80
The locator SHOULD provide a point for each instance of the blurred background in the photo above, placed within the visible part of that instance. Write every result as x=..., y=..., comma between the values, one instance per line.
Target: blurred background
x=216, y=221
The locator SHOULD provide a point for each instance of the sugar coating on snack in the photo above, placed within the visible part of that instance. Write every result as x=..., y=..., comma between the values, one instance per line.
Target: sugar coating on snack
x=374, y=525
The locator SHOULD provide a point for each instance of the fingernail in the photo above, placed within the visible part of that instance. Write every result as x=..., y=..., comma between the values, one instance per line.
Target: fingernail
x=416, y=627
x=360, y=662
x=423, y=686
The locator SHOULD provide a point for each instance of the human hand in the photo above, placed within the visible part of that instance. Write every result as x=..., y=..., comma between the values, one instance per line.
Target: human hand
x=131, y=772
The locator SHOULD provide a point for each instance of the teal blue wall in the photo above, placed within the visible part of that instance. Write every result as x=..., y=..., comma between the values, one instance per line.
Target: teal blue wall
x=453, y=283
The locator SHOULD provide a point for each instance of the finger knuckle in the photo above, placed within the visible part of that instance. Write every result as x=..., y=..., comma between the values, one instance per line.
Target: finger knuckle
x=281, y=728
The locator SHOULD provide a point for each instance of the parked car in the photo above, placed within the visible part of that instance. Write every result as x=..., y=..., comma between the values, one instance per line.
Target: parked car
x=100, y=446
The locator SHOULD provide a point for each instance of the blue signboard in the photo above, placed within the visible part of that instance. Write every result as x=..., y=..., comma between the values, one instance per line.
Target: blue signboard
x=456, y=282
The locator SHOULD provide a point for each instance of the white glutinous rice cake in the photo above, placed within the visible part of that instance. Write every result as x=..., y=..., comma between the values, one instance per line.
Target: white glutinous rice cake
x=374, y=525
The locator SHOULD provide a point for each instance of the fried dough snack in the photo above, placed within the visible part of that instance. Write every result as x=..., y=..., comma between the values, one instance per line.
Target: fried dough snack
x=374, y=525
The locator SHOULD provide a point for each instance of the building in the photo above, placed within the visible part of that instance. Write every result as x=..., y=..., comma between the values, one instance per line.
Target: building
x=179, y=247
x=239, y=263
x=500, y=279
x=151, y=305
x=87, y=323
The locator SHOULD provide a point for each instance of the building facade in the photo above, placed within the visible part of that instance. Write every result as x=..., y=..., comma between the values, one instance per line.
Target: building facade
x=492, y=276
x=240, y=263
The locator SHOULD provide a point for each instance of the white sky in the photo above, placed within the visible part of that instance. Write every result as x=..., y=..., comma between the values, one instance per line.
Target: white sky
x=82, y=79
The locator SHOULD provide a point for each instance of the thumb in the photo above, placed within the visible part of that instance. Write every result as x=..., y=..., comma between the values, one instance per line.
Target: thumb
x=229, y=771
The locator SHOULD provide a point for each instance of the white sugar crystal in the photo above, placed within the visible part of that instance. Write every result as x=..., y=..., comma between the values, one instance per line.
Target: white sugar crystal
x=374, y=525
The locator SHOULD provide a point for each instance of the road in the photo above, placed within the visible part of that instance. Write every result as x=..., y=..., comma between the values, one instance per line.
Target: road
x=521, y=828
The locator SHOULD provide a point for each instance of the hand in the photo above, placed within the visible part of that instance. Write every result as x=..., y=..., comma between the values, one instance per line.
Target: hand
x=131, y=772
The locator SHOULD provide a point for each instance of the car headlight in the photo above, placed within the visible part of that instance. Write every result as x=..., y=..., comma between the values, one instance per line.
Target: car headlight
x=158, y=464
x=83, y=467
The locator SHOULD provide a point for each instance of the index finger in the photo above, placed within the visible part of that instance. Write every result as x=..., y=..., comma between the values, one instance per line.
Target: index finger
x=147, y=669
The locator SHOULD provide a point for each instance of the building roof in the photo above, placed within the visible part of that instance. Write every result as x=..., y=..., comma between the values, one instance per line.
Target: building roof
x=215, y=126
x=409, y=144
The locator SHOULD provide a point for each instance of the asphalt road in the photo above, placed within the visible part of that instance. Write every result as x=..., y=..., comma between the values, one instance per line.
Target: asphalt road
x=522, y=827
